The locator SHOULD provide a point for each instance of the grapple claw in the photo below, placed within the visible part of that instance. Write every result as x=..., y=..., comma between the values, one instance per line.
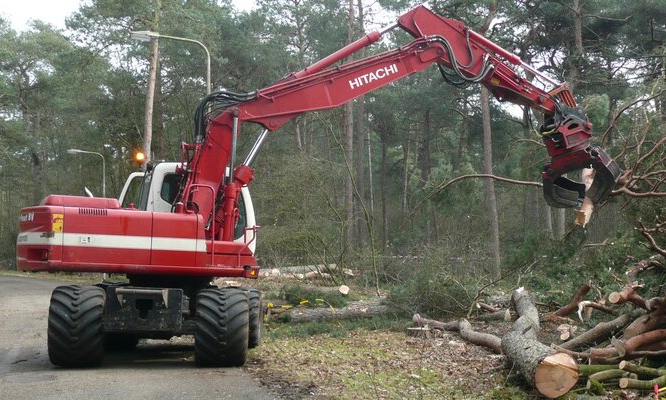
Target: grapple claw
x=562, y=192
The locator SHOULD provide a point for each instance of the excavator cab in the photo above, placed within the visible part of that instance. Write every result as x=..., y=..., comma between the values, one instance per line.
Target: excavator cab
x=567, y=136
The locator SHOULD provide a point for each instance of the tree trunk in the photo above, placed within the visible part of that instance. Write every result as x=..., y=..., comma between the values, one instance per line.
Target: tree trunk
x=37, y=177
x=150, y=89
x=489, y=185
x=158, y=121
x=355, y=309
x=348, y=118
x=425, y=164
x=382, y=188
x=405, y=174
x=359, y=160
x=551, y=373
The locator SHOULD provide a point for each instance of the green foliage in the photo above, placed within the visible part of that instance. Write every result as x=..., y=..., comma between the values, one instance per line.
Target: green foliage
x=597, y=107
x=339, y=328
x=432, y=286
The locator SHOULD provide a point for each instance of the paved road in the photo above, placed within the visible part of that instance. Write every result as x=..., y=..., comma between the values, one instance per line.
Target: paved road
x=156, y=370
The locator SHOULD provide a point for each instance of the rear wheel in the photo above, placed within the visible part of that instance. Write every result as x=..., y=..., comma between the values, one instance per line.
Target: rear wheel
x=75, y=337
x=256, y=317
x=222, y=327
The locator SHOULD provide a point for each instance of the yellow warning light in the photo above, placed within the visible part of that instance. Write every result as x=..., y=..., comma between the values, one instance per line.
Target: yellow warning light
x=140, y=156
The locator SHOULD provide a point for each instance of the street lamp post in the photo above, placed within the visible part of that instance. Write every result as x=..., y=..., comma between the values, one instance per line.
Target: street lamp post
x=147, y=36
x=77, y=151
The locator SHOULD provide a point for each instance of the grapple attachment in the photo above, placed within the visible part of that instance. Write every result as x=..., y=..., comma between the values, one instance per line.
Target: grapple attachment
x=567, y=142
x=562, y=192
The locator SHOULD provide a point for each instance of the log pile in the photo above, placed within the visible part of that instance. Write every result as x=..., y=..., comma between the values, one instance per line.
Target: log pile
x=607, y=356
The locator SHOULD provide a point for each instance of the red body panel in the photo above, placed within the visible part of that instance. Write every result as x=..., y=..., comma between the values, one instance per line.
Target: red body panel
x=87, y=239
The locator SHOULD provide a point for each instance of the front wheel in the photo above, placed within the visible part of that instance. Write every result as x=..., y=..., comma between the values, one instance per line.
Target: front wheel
x=222, y=328
x=75, y=337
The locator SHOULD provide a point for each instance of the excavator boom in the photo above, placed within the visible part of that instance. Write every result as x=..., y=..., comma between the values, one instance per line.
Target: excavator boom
x=454, y=47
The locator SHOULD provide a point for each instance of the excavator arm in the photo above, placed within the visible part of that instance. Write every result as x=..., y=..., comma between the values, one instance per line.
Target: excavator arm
x=466, y=55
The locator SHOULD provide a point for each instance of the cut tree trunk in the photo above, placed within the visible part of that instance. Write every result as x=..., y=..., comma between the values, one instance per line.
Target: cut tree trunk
x=466, y=332
x=550, y=372
x=355, y=309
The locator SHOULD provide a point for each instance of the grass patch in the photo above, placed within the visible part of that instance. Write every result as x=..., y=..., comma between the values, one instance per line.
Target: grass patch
x=372, y=359
x=335, y=329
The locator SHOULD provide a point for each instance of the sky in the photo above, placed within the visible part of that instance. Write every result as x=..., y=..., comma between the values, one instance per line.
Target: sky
x=20, y=12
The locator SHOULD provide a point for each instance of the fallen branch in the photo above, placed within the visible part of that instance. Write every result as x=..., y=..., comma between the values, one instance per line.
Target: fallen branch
x=593, y=305
x=466, y=332
x=630, y=345
x=627, y=383
x=608, y=375
x=628, y=294
x=586, y=370
x=646, y=323
x=599, y=333
x=573, y=304
x=641, y=370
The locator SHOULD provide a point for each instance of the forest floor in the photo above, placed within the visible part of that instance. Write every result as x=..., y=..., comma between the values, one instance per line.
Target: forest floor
x=365, y=363
x=378, y=360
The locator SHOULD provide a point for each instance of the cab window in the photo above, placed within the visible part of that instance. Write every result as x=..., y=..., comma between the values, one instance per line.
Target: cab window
x=239, y=230
x=170, y=188
x=132, y=193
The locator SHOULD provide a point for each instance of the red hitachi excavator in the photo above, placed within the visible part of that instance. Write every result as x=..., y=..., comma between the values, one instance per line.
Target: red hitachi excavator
x=169, y=256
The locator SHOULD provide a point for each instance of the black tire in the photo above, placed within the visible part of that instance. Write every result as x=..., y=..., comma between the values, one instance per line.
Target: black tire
x=120, y=342
x=222, y=328
x=256, y=318
x=75, y=337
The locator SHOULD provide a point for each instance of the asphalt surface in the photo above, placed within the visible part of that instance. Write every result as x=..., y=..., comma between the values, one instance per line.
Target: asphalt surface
x=156, y=370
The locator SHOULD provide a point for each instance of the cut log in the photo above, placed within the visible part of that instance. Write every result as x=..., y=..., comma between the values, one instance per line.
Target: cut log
x=586, y=370
x=566, y=331
x=641, y=370
x=551, y=373
x=599, y=333
x=466, y=332
x=355, y=309
x=628, y=294
x=573, y=305
x=627, y=383
x=603, y=376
